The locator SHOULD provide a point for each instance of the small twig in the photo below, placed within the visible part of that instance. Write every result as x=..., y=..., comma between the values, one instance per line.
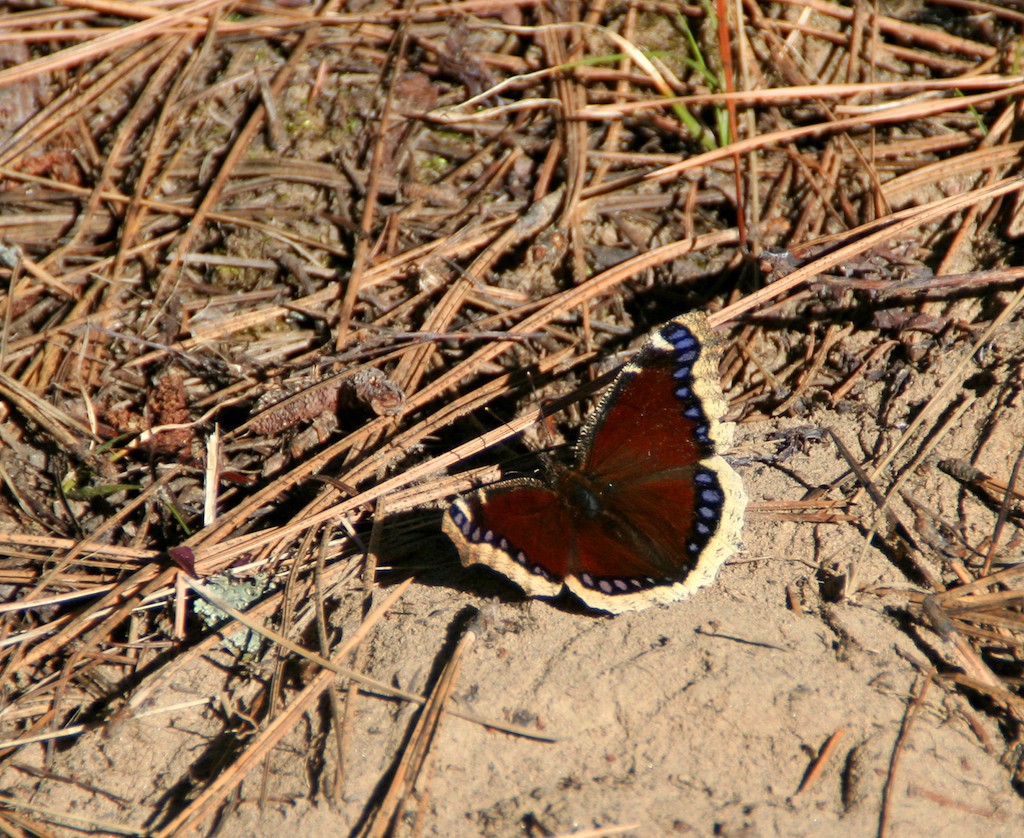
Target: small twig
x=417, y=752
x=897, y=752
x=824, y=756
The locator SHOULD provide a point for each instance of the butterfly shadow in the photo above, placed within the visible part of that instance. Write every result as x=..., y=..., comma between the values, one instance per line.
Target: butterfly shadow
x=413, y=545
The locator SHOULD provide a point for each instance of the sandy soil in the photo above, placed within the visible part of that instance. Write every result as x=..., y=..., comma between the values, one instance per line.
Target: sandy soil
x=702, y=718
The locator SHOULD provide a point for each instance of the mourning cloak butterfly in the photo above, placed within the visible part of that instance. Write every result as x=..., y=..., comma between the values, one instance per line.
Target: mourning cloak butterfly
x=650, y=511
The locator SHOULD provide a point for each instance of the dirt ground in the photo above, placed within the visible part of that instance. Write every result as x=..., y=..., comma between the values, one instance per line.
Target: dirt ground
x=811, y=690
x=700, y=718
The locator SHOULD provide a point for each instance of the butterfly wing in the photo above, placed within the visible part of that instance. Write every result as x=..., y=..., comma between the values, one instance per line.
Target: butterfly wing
x=660, y=539
x=668, y=510
x=517, y=528
x=664, y=408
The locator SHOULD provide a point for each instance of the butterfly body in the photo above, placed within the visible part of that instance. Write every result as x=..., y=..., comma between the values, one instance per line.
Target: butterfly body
x=649, y=511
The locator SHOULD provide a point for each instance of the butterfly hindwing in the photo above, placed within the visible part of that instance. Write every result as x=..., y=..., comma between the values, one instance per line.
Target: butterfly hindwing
x=515, y=528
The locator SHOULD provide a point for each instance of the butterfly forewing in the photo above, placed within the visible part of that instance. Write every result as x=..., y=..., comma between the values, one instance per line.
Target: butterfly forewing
x=643, y=429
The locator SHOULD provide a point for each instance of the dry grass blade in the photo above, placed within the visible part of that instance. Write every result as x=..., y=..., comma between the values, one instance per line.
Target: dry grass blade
x=913, y=709
x=73, y=56
x=369, y=683
x=409, y=773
